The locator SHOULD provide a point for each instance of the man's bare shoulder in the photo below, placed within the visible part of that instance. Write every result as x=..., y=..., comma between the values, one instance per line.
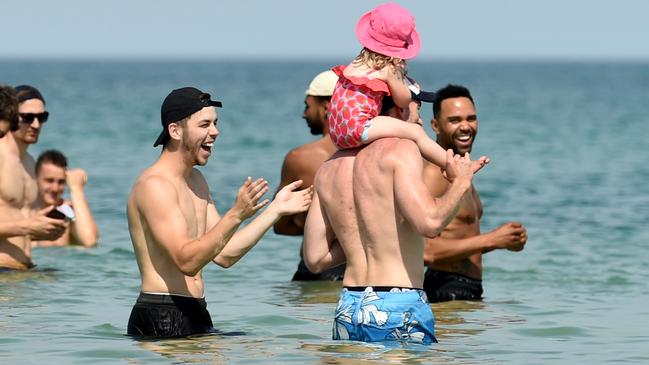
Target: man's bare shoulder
x=309, y=154
x=434, y=179
x=394, y=150
x=152, y=185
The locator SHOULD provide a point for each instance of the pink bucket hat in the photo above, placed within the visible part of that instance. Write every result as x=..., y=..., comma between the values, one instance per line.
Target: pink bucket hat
x=389, y=29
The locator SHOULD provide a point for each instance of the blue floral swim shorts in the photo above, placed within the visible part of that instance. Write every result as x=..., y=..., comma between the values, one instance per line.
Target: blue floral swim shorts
x=387, y=314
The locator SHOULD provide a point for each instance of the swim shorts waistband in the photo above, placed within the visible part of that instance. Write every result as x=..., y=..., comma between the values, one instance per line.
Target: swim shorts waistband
x=168, y=299
x=380, y=288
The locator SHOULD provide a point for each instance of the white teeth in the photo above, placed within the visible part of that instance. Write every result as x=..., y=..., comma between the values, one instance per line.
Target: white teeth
x=464, y=138
x=208, y=144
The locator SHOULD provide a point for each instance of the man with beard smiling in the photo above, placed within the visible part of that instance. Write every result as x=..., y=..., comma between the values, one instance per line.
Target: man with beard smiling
x=18, y=191
x=303, y=162
x=454, y=257
x=175, y=227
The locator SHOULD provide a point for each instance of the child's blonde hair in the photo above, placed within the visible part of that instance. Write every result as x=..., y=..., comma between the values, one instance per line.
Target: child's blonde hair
x=378, y=61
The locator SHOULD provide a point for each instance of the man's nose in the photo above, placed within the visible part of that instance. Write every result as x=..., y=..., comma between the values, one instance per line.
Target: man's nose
x=36, y=123
x=214, y=132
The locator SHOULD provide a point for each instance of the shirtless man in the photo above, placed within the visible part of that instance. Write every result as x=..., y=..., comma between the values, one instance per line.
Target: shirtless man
x=393, y=211
x=302, y=163
x=331, y=236
x=454, y=257
x=52, y=175
x=175, y=227
x=18, y=192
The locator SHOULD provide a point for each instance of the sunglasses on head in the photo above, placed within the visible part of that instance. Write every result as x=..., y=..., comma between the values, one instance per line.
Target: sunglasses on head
x=29, y=117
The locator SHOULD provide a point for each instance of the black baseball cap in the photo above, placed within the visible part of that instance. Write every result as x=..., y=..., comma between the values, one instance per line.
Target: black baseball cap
x=418, y=94
x=179, y=104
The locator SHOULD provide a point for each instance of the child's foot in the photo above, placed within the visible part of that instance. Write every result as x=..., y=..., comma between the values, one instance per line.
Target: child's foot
x=479, y=163
x=413, y=113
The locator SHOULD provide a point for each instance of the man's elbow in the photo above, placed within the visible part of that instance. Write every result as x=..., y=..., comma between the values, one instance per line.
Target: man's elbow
x=189, y=267
x=431, y=228
x=314, y=267
x=224, y=262
x=189, y=271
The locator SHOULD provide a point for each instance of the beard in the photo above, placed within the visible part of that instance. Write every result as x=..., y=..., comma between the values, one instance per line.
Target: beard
x=316, y=130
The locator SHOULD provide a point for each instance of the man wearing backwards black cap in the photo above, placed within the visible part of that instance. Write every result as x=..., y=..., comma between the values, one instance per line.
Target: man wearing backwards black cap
x=18, y=192
x=175, y=227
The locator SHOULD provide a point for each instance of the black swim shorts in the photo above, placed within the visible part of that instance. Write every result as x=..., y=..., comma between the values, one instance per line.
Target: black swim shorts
x=333, y=274
x=442, y=286
x=163, y=316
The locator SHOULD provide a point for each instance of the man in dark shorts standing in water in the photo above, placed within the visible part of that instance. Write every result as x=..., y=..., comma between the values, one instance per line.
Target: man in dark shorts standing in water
x=302, y=162
x=175, y=227
x=454, y=257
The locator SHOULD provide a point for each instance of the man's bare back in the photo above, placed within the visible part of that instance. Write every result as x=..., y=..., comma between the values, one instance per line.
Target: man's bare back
x=392, y=209
x=332, y=217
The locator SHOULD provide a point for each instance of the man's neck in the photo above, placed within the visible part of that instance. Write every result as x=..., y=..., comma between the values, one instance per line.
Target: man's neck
x=22, y=147
x=14, y=146
x=175, y=163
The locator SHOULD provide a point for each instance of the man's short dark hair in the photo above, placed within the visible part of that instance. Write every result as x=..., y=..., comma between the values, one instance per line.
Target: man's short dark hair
x=447, y=92
x=9, y=106
x=322, y=98
x=51, y=156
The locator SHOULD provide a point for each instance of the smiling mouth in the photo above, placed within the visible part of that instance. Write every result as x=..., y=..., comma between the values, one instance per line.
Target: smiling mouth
x=464, y=139
x=207, y=146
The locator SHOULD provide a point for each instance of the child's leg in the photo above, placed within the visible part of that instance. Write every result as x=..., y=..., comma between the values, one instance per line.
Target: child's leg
x=385, y=127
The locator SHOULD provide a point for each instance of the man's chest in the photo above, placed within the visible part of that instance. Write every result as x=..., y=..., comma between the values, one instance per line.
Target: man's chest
x=17, y=187
x=470, y=209
x=194, y=209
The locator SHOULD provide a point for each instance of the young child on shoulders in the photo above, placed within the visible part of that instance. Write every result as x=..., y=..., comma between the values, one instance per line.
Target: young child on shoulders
x=389, y=38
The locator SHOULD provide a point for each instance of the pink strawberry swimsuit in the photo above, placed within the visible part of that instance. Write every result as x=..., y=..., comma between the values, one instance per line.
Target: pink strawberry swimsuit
x=354, y=103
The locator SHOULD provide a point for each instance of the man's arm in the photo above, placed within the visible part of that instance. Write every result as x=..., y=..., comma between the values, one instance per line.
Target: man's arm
x=38, y=226
x=441, y=250
x=511, y=236
x=427, y=214
x=157, y=201
x=320, y=250
x=84, y=229
x=297, y=166
x=287, y=201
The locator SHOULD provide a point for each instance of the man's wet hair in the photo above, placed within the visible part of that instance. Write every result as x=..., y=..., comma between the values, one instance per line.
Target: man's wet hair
x=54, y=157
x=447, y=92
x=9, y=106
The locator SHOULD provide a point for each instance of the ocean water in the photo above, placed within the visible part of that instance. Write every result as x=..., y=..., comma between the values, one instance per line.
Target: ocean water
x=569, y=144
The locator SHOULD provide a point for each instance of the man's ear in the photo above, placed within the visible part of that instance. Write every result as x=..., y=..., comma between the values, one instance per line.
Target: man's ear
x=324, y=109
x=434, y=125
x=175, y=131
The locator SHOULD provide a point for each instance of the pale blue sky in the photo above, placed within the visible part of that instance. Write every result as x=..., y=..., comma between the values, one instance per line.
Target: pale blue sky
x=457, y=29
